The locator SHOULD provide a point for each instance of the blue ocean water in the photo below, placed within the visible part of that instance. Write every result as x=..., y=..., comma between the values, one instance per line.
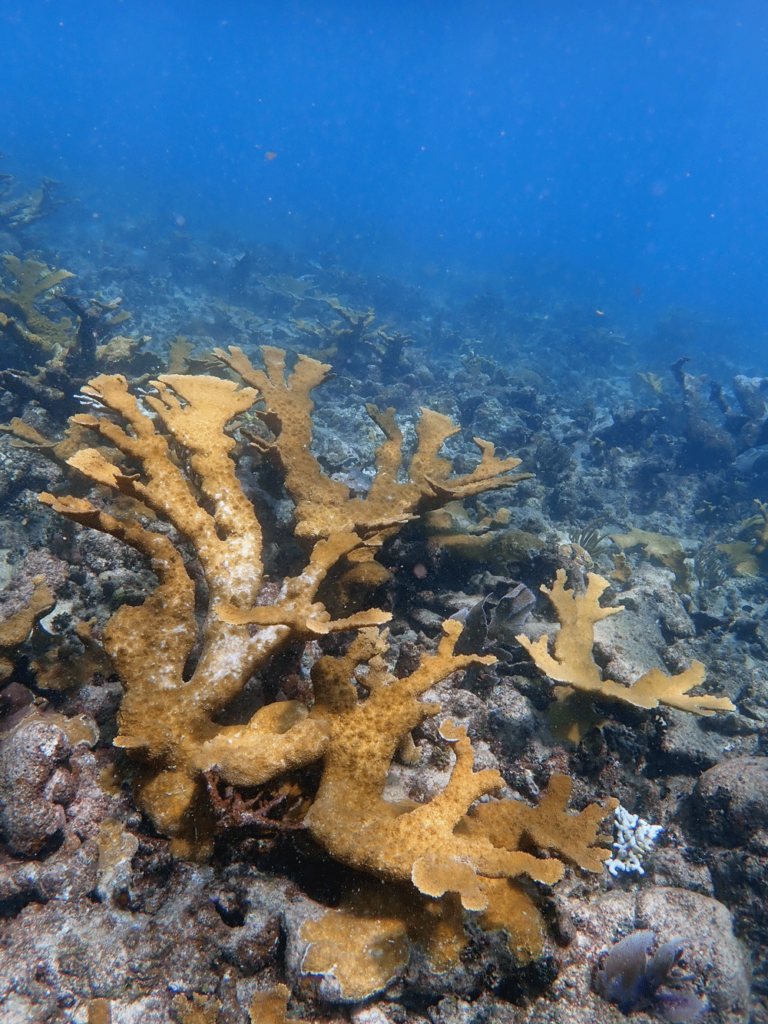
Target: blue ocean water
x=610, y=154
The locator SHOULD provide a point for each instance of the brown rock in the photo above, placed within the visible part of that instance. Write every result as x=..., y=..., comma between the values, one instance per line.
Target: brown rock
x=732, y=801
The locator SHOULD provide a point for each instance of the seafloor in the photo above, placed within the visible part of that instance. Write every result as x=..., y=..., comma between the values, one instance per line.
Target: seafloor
x=643, y=471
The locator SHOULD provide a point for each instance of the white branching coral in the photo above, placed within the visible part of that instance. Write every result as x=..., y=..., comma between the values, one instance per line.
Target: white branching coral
x=635, y=838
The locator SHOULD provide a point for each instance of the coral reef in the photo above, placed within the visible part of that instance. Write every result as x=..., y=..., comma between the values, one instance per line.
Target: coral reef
x=167, y=719
x=168, y=716
x=47, y=358
x=261, y=586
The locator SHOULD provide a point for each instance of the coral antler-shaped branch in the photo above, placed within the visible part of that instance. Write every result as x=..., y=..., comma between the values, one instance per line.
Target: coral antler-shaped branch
x=194, y=411
x=32, y=331
x=294, y=606
x=548, y=826
x=324, y=506
x=167, y=716
x=432, y=474
x=421, y=842
x=572, y=662
x=179, y=465
x=15, y=630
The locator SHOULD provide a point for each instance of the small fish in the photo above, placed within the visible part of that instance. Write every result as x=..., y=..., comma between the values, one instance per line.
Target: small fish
x=270, y=155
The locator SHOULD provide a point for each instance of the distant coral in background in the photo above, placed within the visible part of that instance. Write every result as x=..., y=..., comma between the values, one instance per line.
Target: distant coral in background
x=47, y=357
x=19, y=206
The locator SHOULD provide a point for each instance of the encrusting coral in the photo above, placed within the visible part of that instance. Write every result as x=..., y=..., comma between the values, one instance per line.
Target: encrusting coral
x=267, y=1007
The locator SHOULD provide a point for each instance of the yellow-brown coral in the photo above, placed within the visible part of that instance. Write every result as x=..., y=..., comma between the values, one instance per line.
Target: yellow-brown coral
x=324, y=506
x=572, y=663
x=750, y=555
x=419, y=843
x=175, y=457
x=167, y=719
x=15, y=630
x=27, y=325
x=665, y=549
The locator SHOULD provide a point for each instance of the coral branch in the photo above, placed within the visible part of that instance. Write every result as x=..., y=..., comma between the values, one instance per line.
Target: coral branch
x=572, y=662
x=183, y=666
x=420, y=843
x=15, y=630
x=323, y=505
